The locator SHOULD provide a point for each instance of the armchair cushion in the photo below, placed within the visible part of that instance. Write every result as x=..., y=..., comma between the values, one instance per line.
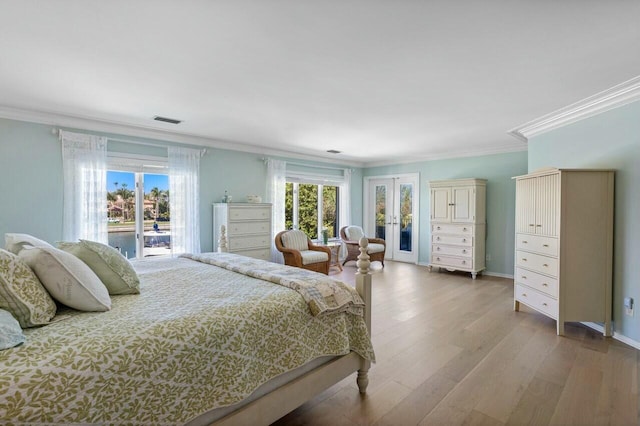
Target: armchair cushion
x=354, y=233
x=375, y=248
x=313, y=256
x=295, y=240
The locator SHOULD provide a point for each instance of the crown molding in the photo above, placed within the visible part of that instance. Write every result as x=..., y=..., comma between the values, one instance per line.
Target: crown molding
x=500, y=149
x=617, y=96
x=155, y=133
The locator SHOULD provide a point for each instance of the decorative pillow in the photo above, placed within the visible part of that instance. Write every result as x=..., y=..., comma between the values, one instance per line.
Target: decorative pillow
x=16, y=242
x=67, y=278
x=295, y=240
x=10, y=331
x=354, y=233
x=22, y=294
x=113, y=269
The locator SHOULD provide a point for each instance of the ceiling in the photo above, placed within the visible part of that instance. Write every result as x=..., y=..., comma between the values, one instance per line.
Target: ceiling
x=381, y=81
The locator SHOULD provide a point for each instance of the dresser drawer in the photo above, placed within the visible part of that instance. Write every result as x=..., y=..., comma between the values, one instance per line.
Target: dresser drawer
x=536, y=300
x=537, y=262
x=253, y=241
x=452, y=239
x=444, y=228
x=456, y=262
x=537, y=281
x=264, y=254
x=241, y=228
x=543, y=245
x=251, y=213
x=438, y=249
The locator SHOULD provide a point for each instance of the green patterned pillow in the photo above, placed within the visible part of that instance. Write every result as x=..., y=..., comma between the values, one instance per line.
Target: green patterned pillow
x=113, y=269
x=22, y=294
x=10, y=332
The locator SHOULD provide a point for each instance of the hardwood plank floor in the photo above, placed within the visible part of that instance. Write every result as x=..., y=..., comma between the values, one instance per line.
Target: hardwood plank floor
x=451, y=350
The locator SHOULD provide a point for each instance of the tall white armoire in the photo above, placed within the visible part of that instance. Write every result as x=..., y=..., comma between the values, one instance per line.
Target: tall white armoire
x=458, y=224
x=564, y=245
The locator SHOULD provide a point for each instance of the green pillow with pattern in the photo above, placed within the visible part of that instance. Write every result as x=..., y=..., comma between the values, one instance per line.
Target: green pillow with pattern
x=113, y=269
x=22, y=294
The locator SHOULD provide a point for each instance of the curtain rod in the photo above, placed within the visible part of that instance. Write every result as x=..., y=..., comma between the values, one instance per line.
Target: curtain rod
x=203, y=151
x=310, y=165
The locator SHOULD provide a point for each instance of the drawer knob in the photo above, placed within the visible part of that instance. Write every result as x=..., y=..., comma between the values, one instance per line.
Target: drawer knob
x=464, y=240
x=539, y=226
x=545, y=285
x=438, y=238
x=524, y=260
x=544, y=304
x=531, y=224
x=437, y=258
x=524, y=277
x=545, y=265
x=438, y=228
x=524, y=294
x=464, y=229
x=525, y=242
x=438, y=248
x=464, y=251
x=545, y=245
x=464, y=262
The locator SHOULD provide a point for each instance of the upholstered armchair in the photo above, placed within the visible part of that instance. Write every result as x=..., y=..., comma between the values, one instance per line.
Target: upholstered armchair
x=351, y=237
x=298, y=250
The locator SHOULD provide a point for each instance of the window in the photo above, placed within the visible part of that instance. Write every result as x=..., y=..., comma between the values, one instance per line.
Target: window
x=138, y=212
x=311, y=207
x=138, y=204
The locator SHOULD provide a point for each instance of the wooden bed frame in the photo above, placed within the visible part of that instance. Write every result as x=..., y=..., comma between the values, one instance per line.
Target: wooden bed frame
x=281, y=401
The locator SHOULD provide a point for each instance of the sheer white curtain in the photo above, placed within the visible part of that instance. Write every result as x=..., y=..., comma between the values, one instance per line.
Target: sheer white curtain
x=345, y=208
x=345, y=199
x=184, y=199
x=276, y=186
x=84, y=163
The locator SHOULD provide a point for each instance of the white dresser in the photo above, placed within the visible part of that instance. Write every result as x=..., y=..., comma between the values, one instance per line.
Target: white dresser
x=248, y=228
x=458, y=224
x=564, y=245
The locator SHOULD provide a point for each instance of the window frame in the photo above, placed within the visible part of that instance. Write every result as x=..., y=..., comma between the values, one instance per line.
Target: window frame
x=138, y=165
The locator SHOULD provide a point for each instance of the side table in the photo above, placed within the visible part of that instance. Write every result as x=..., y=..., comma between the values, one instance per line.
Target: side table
x=335, y=247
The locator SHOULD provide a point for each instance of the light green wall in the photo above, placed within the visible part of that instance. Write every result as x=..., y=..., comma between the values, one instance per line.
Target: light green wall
x=609, y=140
x=31, y=180
x=498, y=170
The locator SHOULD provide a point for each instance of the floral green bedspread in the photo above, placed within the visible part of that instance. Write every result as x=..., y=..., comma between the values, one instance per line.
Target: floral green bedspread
x=198, y=337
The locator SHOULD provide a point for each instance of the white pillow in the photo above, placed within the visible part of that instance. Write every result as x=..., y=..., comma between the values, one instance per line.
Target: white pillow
x=67, y=279
x=16, y=242
x=354, y=233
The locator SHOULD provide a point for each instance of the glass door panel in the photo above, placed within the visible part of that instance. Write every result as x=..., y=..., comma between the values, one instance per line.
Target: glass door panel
x=406, y=215
x=156, y=214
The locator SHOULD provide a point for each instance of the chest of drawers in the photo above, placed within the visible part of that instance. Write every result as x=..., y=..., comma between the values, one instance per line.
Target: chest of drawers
x=564, y=243
x=248, y=228
x=458, y=225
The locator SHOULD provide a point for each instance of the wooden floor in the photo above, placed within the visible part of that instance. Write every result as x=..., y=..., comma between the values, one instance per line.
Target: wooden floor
x=452, y=351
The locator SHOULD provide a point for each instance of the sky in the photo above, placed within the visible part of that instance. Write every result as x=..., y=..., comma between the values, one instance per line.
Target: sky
x=150, y=181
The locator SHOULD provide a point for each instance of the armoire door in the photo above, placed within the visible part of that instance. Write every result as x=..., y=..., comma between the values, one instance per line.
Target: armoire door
x=441, y=204
x=463, y=204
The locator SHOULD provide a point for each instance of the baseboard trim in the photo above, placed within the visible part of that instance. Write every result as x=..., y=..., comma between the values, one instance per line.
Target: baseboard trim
x=620, y=337
x=484, y=272
x=497, y=274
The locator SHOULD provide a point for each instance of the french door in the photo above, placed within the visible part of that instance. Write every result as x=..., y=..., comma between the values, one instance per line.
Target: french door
x=391, y=213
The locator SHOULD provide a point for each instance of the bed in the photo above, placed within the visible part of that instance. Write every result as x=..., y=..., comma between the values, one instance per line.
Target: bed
x=212, y=339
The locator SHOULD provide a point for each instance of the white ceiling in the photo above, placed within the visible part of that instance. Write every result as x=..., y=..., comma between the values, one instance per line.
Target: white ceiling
x=380, y=80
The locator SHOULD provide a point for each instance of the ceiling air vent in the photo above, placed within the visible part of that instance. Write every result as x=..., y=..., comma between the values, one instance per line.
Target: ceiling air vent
x=167, y=120
x=333, y=151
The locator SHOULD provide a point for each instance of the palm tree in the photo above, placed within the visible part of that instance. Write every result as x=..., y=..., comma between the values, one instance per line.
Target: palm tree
x=155, y=194
x=125, y=194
